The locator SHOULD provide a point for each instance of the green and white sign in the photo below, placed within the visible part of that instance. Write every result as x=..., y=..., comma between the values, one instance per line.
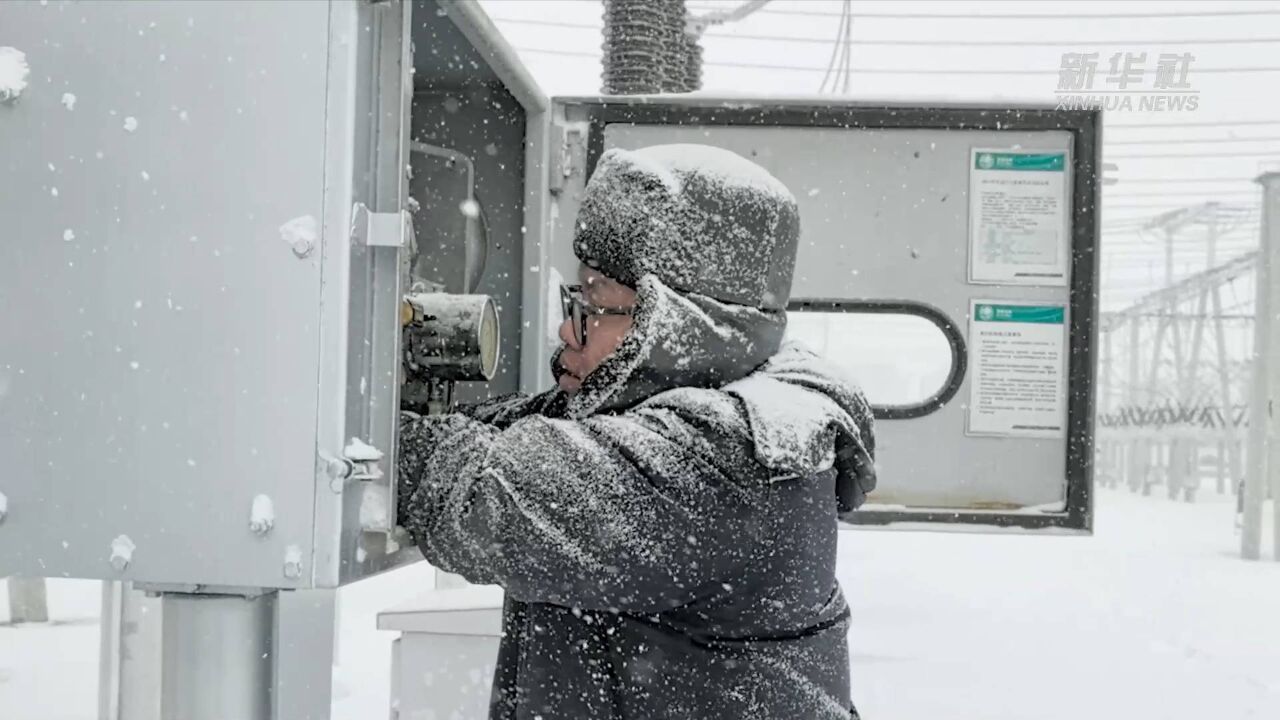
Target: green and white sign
x=1017, y=369
x=1018, y=229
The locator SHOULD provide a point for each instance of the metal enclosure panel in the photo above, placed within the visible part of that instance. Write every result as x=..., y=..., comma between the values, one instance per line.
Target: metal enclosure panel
x=880, y=200
x=458, y=684
x=456, y=55
x=540, y=312
x=367, y=150
x=487, y=125
x=890, y=181
x=160, y=340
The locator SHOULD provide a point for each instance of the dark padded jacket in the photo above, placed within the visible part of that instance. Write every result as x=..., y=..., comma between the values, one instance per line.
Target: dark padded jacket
x=675, y=559
x=667, y=535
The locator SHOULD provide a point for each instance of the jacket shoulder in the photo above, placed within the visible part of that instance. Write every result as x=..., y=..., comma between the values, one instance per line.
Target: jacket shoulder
x=698, y=405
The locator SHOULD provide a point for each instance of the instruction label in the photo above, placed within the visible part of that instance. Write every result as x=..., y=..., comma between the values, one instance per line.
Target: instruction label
x=1018, y=229
x=1017, y=360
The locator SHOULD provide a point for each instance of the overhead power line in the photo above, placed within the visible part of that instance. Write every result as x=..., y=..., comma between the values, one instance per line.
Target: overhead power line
x=1003, y=43
x=1123, y=180
x=1134, y=206
x=839, y=66
x=1207, y=195
x=891, y=71
x=1190, y=141
x=927, y=43
x=1197, y=156
x=1190, y=123
x=721, y=16
x=1022, y=16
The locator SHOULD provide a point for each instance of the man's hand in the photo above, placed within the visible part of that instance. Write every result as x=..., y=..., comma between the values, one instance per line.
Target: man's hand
x=420, y=435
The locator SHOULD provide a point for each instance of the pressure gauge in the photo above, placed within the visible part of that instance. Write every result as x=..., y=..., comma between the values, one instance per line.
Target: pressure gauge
x=451, y=337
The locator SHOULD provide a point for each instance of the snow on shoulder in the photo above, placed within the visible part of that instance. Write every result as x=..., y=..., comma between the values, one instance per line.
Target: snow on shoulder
x=718, y=164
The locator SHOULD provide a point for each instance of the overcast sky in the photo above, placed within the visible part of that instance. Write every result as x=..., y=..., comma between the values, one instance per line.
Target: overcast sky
x=1147, y=185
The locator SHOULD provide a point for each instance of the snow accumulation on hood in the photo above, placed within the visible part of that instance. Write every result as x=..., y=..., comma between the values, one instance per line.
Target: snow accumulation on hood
x=708, y=239
x=701, y=219
x=720, y=166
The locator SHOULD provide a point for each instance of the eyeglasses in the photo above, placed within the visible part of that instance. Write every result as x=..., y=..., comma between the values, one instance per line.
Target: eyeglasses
x=577, y=310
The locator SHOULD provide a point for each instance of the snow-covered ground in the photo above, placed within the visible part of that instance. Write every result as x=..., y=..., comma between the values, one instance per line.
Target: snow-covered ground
x=1153, y=617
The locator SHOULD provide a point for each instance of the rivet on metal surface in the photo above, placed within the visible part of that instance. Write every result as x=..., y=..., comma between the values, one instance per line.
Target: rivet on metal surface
x=262, y=516
x=301, y=234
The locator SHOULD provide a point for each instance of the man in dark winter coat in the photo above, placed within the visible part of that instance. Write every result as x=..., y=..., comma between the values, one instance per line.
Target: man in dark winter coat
x=663, y=522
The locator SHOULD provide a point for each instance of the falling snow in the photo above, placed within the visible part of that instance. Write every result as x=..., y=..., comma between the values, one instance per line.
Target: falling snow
x=69, y=101
x=130, y=124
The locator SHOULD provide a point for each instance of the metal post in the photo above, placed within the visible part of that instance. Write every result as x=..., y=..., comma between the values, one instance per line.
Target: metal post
x=1179, y=364
x=109, y=656
x=1267, y=354
x=217, y=657
x=1106, y=446
x=129, y=669
x=141, y=669
x=1256, y=475
x=303, y=654
x=28, y=601
x=1231, y=446
x=1135, y=471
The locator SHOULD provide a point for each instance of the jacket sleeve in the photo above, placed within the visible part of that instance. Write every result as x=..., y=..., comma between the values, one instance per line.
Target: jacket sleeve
x=504, y=410
x=636, y=512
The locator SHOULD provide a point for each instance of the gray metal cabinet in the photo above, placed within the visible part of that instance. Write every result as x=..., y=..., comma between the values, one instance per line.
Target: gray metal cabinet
x=206, y=230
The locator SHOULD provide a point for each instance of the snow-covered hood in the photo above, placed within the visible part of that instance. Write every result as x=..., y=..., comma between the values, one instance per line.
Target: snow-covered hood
x=708, y=239
x=704, y=220
x=804, y=416
x=678, y=340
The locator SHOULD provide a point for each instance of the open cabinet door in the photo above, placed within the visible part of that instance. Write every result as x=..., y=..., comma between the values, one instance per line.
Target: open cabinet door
x=947, y=260
x=203, y=233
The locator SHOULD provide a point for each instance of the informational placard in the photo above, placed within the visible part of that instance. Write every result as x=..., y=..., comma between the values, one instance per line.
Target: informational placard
x=1018, y=210
x=1018, y=369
